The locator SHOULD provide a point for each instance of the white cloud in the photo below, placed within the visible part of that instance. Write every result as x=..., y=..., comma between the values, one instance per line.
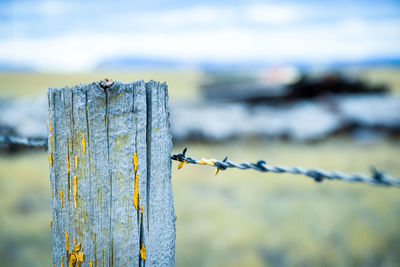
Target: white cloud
x=51, y=8
x=273, y=13
x=209, y=33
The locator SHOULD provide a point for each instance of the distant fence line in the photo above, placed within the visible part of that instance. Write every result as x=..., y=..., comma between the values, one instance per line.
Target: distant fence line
x=376, y=177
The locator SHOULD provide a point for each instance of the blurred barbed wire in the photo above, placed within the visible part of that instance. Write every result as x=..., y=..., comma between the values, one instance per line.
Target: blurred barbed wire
x=375, y=178
x=23, y=142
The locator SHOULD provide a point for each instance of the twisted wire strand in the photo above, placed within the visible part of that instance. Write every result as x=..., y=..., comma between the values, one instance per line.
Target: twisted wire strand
x=376, y=177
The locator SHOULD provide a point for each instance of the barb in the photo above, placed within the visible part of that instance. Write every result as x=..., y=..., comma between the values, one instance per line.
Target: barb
x=376, y=177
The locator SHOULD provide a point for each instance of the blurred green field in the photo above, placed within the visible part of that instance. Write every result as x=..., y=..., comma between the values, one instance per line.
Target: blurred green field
x=181, y=85
x=238, y=218
x=389, y=76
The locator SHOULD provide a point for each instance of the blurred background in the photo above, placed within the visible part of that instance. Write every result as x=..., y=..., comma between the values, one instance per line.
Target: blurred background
x=297, y=83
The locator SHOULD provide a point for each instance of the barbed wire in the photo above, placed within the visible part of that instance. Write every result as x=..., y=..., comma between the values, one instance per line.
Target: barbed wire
x=318, y=175
x=13, y=141
x=376, y=178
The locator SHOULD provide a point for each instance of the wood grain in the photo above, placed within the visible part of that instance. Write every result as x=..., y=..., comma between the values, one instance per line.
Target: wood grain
x=97, y=133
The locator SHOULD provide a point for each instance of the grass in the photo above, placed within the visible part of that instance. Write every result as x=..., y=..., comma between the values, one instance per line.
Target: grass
x=239, y=218
x=25, y=207
x=389, y=76
x=244, y=218
x=181, y=85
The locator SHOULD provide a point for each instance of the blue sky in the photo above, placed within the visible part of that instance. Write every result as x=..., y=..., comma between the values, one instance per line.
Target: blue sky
x=77, y=35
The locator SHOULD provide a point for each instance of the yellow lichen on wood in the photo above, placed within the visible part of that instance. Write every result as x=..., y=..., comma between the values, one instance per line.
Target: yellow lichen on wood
x=135, y=162
x=75, y=258
x=83, y=143
x=51, y=224
x=68, y=171
x=62, y=262
x=141, y=209
x=143, y=252
x=91, y=263
x=51, y=143
x=76, y=163
x=77, y=247
x=136, y=192
x=75, y=189
x=136, y=185
x=61, y=197
x=66, y=241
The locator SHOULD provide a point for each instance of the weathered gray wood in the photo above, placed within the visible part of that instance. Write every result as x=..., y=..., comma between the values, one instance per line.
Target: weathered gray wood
x=110, y=173
x=160, y=214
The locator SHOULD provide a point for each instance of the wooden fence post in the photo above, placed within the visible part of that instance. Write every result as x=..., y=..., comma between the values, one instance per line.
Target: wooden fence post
x=110, y=173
